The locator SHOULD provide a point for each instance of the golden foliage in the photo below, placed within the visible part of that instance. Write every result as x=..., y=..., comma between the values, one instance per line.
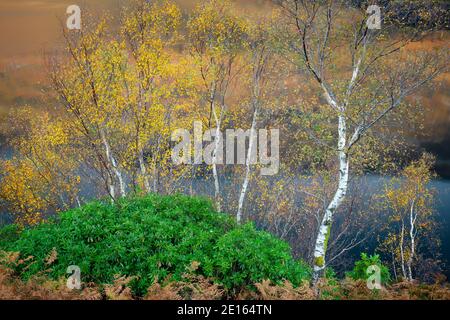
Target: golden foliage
x=42, y=179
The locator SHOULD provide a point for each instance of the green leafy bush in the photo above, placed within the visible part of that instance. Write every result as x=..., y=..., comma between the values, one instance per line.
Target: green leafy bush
x=245, y=256
x=361, y=266
x=8, y=234
x=154, y=237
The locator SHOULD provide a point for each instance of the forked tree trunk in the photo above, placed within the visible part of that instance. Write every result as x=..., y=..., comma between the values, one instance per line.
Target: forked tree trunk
x=114, y=167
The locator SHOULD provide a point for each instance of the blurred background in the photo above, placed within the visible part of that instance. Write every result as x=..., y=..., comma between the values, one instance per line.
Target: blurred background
x=31, y=29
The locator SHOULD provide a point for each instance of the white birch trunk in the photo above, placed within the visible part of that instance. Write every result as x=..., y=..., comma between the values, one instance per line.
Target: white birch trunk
x=78, y=202
x=113, y=163
x=252, y=139
x=218, y=121
x=339, y=196
x=412, y=236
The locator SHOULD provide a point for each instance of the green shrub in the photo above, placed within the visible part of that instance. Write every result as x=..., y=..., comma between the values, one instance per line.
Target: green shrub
x=8, y=234
x=359, y=271
x=154, y=237
x=245, y=256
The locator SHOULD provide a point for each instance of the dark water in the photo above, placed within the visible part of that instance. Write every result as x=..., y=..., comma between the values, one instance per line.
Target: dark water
x=441, y=188
x=443, y=208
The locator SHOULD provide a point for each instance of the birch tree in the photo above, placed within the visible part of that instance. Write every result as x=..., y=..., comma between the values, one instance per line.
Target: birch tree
x=260, y=51
x=215, y=37
x=123, y=93
x=150, y=29
x=409, y=199
x=89, y=87
x=328, y=40
x=41, y=178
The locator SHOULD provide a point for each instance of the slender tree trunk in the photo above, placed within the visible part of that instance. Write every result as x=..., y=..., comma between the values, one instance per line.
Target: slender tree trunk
x=113, y=164
x=78, y=201
x=143, y=170
x=402, y=252
x=155, y=177
x=214, y=165
x=218, y=121
x=394, y=267
x=412, y=237
x=339, y=196
x=111, y=188
x=252, y=139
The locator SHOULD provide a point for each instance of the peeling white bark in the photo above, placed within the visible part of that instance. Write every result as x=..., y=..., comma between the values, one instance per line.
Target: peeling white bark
x=339, y=196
